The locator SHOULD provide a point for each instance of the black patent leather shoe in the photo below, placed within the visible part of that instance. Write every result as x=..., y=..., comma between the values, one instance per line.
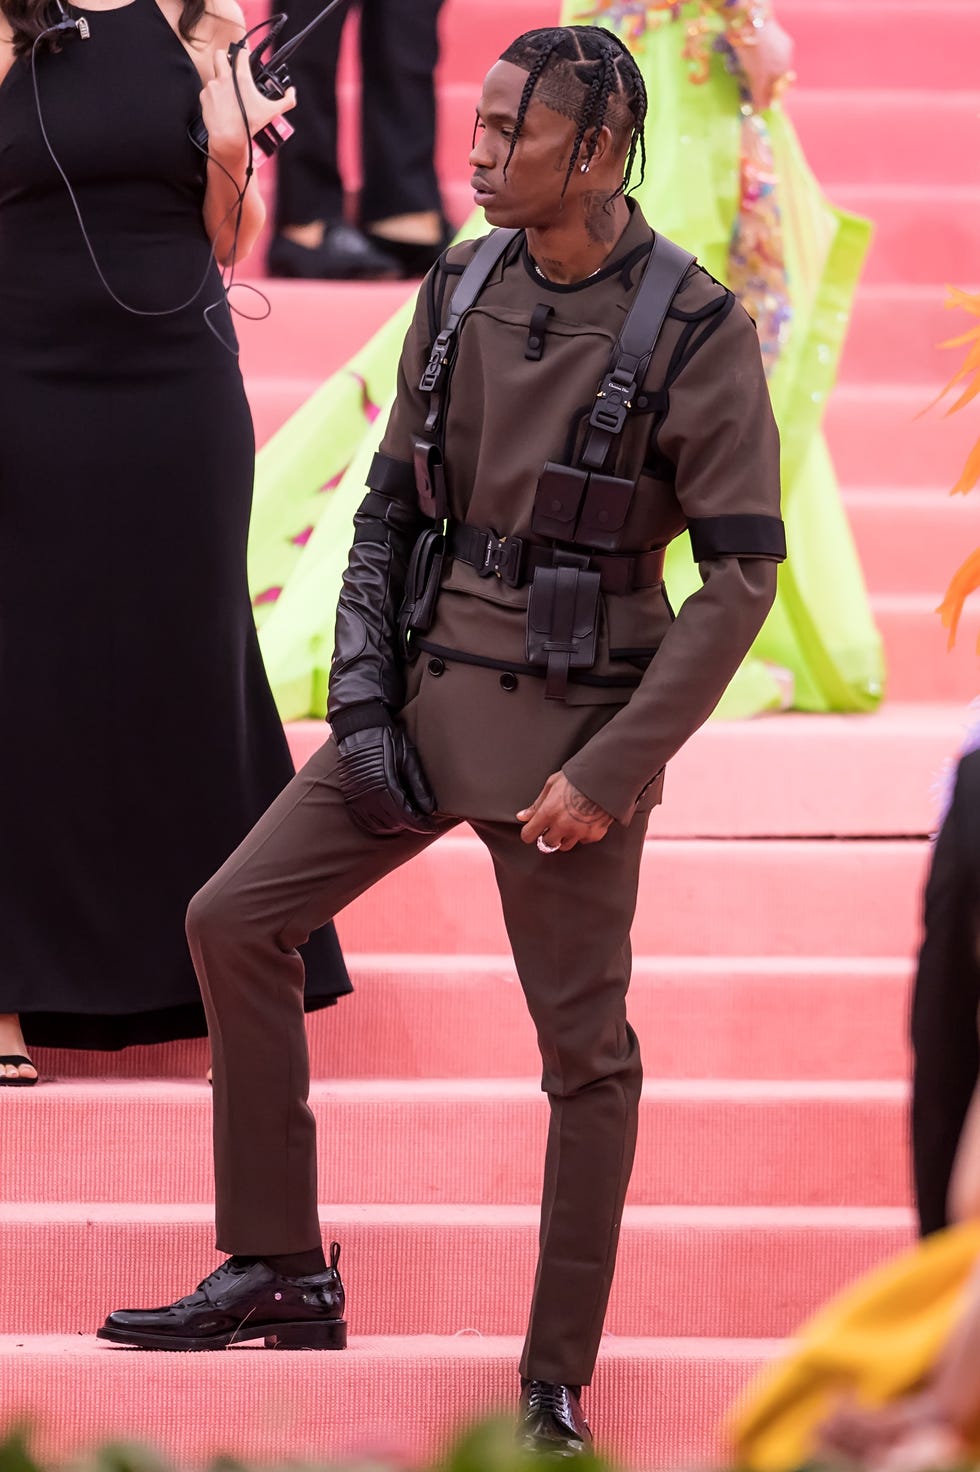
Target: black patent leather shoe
x=551, y=1421
x=344, y=254
x=243, y=1299
x=413, y=258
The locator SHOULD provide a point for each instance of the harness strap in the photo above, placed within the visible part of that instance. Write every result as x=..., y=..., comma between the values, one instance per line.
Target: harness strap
x=665, y=270
x=468, y=288
x=514, y=559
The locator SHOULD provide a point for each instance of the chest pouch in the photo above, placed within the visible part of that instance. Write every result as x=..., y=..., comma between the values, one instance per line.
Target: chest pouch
x=422, y=583
x=563, y=620
x=583, y=507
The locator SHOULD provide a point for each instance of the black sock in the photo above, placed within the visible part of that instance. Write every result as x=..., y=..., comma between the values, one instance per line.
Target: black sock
x=297, y=1264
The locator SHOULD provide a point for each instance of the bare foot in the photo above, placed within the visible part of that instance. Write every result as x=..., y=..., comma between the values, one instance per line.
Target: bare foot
x=12, y=1041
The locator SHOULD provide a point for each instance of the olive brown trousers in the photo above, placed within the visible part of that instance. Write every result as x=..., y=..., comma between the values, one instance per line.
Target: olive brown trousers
x=568, y=917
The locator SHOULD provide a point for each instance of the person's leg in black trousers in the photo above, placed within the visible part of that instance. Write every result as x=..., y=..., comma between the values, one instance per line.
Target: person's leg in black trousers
x=311, y=237
x=946, y=999
x=401, y=206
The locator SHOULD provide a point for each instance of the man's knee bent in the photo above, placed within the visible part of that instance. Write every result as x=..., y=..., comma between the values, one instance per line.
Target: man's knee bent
x=573, y=1064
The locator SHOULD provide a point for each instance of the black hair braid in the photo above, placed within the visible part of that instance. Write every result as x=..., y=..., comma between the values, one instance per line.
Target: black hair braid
x=537, y=68
x=592, y=115
x=614, y=71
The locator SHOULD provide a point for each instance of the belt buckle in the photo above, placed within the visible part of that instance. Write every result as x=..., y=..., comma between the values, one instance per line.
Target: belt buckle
x=502, y=559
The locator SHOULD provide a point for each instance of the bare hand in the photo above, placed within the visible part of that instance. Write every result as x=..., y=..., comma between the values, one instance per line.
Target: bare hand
x=766, y=58
x=222, y=114
x=564, y=816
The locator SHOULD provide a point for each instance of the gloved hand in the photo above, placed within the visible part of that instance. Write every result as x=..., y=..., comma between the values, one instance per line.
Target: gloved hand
x=384, y=787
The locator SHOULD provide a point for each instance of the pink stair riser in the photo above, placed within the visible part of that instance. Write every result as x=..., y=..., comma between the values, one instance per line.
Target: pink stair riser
x=681, y=1272
x=655, y=1404
x=410, y=1017
x=702, y=1143
x=917, y=44
x=910, y=541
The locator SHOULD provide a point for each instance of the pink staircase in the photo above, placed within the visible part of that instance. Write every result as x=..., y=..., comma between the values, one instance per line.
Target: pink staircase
x=776, y=927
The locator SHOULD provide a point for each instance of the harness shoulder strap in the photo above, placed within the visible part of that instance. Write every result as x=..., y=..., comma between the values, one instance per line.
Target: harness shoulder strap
x=666, y=268
x=468, y=288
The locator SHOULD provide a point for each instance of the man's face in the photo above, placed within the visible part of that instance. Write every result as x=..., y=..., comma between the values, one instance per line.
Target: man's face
x=531, y=195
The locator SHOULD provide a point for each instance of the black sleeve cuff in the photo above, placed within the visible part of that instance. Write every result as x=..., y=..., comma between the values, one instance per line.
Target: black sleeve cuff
x=359, y=717
x=738, y=536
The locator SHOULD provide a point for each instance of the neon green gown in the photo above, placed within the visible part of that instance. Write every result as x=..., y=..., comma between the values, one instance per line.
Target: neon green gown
x=310, y=476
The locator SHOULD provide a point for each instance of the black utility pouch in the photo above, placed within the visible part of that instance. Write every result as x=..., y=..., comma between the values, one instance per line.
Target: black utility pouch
x=557, y=501
x=421, y=587
x=563, y=621
x=430, y=479
x=607, y=505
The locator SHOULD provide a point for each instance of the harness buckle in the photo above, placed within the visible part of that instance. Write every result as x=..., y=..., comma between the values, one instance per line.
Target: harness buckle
x=438, y=362
x=613, y=402
x=502, y=559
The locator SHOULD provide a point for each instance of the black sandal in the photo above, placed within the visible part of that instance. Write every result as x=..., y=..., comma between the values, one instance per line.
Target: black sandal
x=20, y=1082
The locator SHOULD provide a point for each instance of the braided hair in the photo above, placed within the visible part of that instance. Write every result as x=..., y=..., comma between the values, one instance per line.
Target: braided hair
x=588, y=75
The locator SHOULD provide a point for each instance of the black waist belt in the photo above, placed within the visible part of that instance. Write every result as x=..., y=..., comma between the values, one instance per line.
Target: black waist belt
x=513, y=560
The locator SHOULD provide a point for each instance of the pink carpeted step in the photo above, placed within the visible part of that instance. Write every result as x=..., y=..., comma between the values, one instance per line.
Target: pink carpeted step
x=704, y=898
x=702, y=1142
x=448, y=1270
x=914, y=43
x=795, y=775
x=655, y=1403
x=895, y=336
x=925, y=233
x=893, y=435
x=920, y=666
x=411, y=1017
x=911, y=541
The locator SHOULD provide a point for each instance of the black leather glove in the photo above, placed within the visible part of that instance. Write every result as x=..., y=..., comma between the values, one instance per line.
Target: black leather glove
x=384, y=787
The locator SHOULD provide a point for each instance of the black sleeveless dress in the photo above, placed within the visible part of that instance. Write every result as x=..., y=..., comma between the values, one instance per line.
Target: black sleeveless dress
x=139, y=741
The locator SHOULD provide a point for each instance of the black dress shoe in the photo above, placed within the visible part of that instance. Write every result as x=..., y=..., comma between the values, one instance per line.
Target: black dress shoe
x=412, y=258
x=344, y=254
x=243, y=1299
x=551, y=1421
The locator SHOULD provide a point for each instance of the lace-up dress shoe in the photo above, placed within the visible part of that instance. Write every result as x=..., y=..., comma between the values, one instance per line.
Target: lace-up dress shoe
x=344, y=254
x=551, y=1421
x=243, y=1299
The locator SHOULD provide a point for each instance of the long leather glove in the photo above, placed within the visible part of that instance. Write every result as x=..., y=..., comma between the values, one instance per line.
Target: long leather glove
x=380, y=773
x=383, y=783
x=368, y=668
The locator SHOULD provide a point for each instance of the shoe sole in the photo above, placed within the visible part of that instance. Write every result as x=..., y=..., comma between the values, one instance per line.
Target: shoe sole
x=330, y=1335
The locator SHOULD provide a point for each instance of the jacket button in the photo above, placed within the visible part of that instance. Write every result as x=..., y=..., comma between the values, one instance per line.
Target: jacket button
x=436, y=667
x=508, y=681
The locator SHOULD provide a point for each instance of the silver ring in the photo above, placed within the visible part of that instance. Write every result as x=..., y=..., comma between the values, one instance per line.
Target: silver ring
x=547, y=848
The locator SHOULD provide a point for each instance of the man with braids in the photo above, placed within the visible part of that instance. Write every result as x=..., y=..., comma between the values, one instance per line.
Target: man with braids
x=505, y=655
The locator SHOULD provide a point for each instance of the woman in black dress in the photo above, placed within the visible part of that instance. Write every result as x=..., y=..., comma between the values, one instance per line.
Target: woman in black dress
x=138, y=738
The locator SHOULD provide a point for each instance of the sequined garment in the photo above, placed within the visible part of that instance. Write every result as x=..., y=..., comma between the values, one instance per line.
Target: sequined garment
x=756, y=261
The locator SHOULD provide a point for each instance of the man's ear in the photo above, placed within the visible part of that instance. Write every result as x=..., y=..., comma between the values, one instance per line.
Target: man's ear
x=604, y=144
